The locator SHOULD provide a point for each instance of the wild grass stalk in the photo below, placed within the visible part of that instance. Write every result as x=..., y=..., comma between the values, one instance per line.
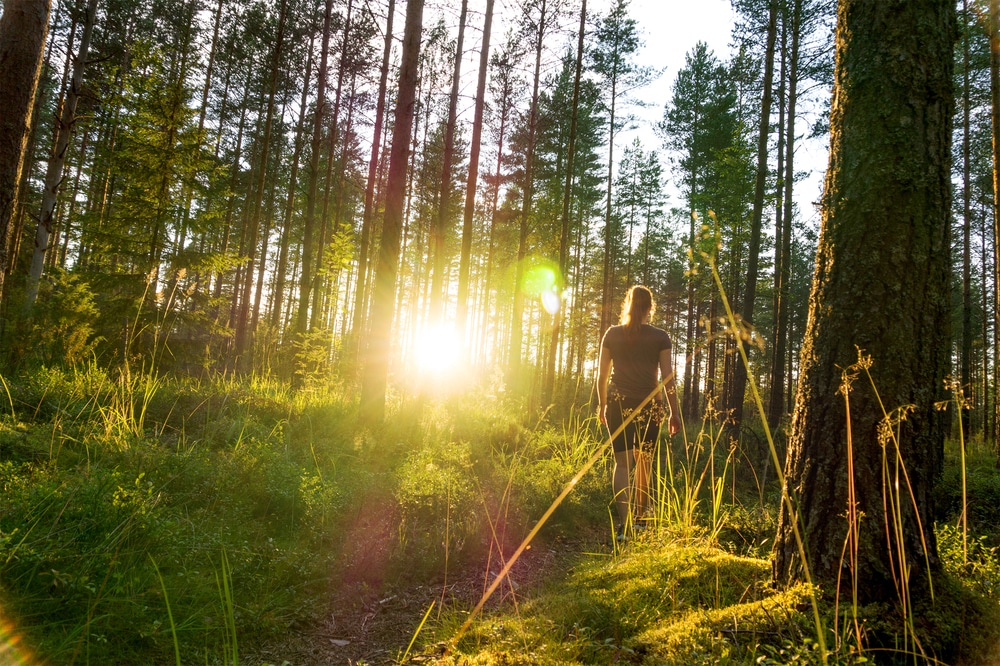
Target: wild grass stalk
x=413, y=639
x=170, y=613
x=567, y=489
x=223, y=580
x=711, y=241
x=10, y=400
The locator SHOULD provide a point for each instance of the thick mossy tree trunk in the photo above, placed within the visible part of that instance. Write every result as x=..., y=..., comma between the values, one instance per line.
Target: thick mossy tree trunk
x=882, y=286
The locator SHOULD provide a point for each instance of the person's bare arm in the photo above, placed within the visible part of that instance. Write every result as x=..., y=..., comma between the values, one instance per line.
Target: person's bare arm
x=603, y=375
x=670, y=388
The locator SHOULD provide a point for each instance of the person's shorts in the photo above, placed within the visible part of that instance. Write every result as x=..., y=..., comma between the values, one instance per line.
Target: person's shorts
x=642, y=431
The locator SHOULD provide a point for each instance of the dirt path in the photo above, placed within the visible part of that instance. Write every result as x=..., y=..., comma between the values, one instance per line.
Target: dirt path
x=371, y=620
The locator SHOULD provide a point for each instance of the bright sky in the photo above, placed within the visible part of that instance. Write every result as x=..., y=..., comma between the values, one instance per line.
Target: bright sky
x=671, y=28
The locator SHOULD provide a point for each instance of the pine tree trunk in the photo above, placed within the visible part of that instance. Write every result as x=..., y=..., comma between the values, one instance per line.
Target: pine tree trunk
x=881, y=285
x=750, y=293
x=325, y=228
x=548, y=385
x=966, y=379
x=464, y=262
x=994, y=27
x=244, y=328
x=23, y=28
x=309, y=223
x=367, y=218
x=776, y=393
x=440, y=223
x=788, y=180
x=517, y=316
x=373, y=386
x=293, y=179
x=57, y=161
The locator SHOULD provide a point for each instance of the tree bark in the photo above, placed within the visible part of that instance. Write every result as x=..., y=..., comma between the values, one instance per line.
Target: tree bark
x=309, y=223
x=373, y=386
x=750, y=293
x=966, y=233
x=23, y=28
x=994, y=27
x=361, y=290
x=244, y=327
x=57, y=161
x=444, y=198
x=464, y=261
x=293, y=179
x=881, y=285
x=548, y=384
x=517, y=316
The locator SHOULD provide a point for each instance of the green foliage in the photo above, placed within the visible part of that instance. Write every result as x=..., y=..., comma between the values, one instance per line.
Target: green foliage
x=975, y=563
x=90, y=492
x=662, y=603
x=438, y=498
x=61, y=327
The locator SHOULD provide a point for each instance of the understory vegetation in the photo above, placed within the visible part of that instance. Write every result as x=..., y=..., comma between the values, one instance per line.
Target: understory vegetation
x=146, y=520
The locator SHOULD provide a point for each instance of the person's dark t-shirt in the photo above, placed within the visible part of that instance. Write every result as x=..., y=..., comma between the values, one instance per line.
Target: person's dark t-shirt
x=635, y=359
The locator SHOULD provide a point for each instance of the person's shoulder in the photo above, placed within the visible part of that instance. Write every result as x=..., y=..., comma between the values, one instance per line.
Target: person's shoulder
x=613, y=332
x=657, y=333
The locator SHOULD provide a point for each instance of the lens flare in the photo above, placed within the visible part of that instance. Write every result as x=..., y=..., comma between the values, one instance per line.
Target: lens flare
x=539, y=278
x=12, y=649
x=551, y=301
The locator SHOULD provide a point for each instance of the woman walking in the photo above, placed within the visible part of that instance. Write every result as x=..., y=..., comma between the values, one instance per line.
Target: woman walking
x=634, y=358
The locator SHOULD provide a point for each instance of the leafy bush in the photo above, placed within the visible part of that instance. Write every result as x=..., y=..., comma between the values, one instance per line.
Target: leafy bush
x=440, y=504
x=975, y=563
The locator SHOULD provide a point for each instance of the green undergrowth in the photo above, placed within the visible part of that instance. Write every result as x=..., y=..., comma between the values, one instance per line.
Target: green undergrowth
x=657, y=602
x=143, y=517
x=146, y=520
x=688, y=602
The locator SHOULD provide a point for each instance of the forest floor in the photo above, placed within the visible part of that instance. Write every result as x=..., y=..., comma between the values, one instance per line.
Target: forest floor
x=371, y=620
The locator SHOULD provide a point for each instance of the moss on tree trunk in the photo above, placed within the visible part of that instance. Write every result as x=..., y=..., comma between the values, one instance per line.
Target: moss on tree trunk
x=882, y=286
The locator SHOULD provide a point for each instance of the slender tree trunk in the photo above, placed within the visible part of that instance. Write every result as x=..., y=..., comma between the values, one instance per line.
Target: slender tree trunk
x=750, y=293
x=504, y=109
x=994, y=24
x=440, y=224
x=548, y=385
x=984, y=272
x=462, y=313
x=325, y=228
x=243, y=328
x=309, y=224
x=690, y=398
x=23, y=28
x=609, y=254
x=57, y=161
x=776, y=394
x=289, y=212
x=517, y=316
x=367, y=218
x=967, y=391
x=373, y=386
x=785, y=323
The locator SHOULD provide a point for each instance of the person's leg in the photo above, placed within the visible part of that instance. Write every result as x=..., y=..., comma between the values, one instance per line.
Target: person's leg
x=642, y=472
x=649, y=429
x=619, y=483
x=624, y=460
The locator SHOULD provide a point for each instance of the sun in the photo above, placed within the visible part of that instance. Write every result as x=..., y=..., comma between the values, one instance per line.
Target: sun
x=437, y=351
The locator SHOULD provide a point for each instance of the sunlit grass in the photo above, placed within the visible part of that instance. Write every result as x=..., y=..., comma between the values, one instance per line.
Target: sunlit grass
x=273, y=479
